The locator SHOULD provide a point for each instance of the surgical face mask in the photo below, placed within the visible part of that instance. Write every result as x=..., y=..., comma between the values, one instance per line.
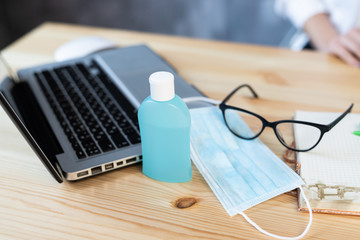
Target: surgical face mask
x=242, y=173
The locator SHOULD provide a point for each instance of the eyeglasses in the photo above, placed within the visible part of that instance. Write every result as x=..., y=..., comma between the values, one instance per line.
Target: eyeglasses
x=284, y=130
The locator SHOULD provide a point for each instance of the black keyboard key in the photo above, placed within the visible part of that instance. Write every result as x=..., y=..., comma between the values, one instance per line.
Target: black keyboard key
x=76, y=145
x=132, y=135
x=67, y=130
x=80, y=154
x=119, y=140
x=123, y=123
x=91, y=148
x=95, y=129
x=100, y=136
x=83, y=70
x=84, y=137
x=92, y=151
x=73, y=141
x=118, y=116
x=112, y=130
x=134, y=139
x=106, y=145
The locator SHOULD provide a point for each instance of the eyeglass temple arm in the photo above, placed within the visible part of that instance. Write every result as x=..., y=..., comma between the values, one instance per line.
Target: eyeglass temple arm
x=241, y=86
x=333, y=123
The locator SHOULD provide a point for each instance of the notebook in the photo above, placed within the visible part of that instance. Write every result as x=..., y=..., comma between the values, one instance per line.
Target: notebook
x=331, y=171
x=80, y=115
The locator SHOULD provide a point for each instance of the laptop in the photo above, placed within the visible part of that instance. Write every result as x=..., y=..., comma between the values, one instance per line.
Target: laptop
x=80, y=115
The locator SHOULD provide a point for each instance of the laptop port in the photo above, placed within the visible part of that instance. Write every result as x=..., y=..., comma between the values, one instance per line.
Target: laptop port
x=140, y=157
x=120, y=163
x=109, y=166
x=84, y=173
x=130, y=160
x=96, y=170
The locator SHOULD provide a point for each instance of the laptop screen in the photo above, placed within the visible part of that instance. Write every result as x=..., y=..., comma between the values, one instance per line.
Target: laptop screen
x=8, y=91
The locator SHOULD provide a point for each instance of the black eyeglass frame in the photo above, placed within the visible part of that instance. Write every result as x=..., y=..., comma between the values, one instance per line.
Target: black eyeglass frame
x=265, y=123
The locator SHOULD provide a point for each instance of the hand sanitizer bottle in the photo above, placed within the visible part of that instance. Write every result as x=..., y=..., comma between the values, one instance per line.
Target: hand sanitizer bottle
x=164, y=121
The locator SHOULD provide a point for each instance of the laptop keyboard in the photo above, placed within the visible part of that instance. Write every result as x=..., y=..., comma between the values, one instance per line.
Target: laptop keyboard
x=95, y=116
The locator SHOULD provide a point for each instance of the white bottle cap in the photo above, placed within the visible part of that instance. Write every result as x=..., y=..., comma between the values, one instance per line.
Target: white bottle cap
x=162, y=86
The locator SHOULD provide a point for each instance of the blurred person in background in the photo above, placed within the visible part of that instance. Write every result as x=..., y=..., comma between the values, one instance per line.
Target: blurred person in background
x=331, y=26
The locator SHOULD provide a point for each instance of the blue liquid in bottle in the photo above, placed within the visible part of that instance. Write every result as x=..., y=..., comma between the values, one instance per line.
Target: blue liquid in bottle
x=164, y=121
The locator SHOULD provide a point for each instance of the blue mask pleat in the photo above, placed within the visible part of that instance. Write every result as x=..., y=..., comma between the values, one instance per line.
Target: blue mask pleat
x=218, y=162
x=238, y=155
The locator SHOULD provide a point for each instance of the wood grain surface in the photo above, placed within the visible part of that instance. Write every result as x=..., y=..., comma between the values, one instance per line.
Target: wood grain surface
x=125, y=204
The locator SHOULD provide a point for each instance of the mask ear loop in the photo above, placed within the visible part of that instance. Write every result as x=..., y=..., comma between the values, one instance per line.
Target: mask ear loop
x=201, y=99
x=281, y=237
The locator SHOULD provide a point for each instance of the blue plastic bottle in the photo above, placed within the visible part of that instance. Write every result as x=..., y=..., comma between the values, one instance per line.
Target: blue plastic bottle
x=164, y=121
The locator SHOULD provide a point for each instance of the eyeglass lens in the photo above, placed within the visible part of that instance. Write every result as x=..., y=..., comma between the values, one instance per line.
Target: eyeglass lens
x=243, y=124
x=287, y=130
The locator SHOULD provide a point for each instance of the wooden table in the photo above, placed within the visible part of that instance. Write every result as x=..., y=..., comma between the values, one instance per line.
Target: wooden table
x=125, y=204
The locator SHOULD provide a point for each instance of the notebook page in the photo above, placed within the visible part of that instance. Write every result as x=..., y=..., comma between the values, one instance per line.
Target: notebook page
x=335, y=162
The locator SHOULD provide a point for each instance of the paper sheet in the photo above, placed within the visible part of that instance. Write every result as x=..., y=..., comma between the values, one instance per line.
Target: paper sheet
x=331, y=170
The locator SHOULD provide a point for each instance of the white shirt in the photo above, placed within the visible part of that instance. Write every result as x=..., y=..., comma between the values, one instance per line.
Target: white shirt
x=344, y=14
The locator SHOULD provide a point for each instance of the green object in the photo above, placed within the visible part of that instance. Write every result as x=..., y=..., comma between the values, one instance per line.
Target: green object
x=356, y=133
